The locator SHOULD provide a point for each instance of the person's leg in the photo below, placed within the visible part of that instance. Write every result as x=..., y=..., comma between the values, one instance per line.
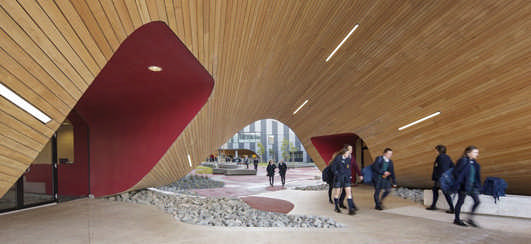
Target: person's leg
x=435, y=193
x=283, y=179
x=450, y=202
x=351, y=209
x=458, y=205
x=342, y=199
x=330, y=187
x=475, y=197
x=386, y=192
x=377, y=196
x=337, y=189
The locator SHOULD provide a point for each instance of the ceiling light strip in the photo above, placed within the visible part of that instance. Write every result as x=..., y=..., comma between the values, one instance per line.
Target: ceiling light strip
x=420, y=120
x=189, y=160
x=23, y=104
x=338, y=46
x=302, y=105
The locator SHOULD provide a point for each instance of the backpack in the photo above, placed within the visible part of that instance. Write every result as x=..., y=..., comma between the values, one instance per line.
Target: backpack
x=326, y=174
x=367, y=175
x=494, y=187
x=447, y=181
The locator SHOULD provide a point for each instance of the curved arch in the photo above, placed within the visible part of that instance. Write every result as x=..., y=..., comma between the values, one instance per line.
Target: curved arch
x=135, y=114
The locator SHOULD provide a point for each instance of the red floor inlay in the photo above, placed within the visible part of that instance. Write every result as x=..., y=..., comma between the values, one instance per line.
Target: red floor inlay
x=269, y=204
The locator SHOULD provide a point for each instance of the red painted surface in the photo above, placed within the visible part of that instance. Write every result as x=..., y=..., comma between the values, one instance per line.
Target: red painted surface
x=329, y=144
x=134, y=114
x=40, y=173
x=73, y=179
x=269, y=204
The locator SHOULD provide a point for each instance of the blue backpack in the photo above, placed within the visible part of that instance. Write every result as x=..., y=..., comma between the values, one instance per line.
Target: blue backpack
x=447, y=181
x=494, y=187
x=367, y=175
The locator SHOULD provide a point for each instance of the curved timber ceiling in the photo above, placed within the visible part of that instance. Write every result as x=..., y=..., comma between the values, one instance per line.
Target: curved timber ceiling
x=467, y=59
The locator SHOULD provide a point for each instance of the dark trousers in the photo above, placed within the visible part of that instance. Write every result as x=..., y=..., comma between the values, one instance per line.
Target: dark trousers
x=283, y=178
x=341, y=197
x=435, y=190
x=255, y=166
x=377, y=189
x=271, y=180
x=461, y=200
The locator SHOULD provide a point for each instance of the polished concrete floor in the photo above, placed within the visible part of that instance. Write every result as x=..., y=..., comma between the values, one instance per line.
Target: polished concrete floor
x=103, y=221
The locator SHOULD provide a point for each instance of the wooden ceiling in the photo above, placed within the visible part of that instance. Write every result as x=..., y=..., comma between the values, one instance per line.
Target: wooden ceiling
x=468, y=59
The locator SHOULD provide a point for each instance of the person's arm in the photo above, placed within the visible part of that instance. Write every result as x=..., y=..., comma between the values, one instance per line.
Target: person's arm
x=434, y=172
x=393, y=178
x=356, y=167
x=478, y=175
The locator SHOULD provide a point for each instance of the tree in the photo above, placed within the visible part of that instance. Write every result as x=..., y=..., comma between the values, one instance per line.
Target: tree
x=287, y=148
x=260, y=150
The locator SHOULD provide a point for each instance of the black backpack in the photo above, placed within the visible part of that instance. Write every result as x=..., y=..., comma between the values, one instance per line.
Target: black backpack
x=494, y=187
x=326, y=174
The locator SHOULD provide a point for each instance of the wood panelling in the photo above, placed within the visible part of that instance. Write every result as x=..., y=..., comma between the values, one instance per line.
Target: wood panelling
x=408, y=59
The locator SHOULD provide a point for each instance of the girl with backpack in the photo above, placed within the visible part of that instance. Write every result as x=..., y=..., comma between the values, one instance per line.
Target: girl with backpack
x=442, y=163
x=342, y=179
x=468, y=182
x=271, y=172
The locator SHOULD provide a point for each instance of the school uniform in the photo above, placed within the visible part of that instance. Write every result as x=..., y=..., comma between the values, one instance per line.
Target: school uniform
x=271, y=173
x=379, y=167
x=442, y=163
x=282, y=169
x=341, y=166
x=468, y=179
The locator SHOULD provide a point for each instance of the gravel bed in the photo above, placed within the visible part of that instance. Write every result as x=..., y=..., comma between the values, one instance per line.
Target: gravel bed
x=320, y=187
x=221, y=211
x=416, y=195
x=192, y=182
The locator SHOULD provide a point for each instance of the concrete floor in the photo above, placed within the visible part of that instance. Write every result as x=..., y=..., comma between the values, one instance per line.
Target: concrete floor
x=103, y=221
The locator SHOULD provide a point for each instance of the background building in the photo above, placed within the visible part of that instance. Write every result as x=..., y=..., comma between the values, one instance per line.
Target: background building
x=273, y=136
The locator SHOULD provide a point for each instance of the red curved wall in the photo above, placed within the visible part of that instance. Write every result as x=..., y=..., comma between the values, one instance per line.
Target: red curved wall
x=134, y=114
x=327, y=145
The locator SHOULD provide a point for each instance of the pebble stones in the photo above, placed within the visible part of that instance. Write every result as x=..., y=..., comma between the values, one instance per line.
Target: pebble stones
x=221, y=211
x=417, y=195
x=320, y=187
x=192, y=182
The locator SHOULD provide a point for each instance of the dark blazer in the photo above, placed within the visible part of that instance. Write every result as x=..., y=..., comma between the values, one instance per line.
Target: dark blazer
x=341, y=168
x=462, y=174
x=271, y=169
x=282, y=168
x=442, y=163
x=378, y=171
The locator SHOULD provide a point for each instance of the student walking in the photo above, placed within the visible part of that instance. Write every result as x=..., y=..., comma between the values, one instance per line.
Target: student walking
x=246, y=161
x=442, y=163
x=255, y=162
x=282, y=169
x=384, y=173
x=468, y=182
x=342, y=178
x=271, y=172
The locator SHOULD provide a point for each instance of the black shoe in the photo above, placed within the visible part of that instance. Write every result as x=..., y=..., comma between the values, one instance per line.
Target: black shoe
x=331, y=202
x=355, y=208
x=451, y=211
x=337, y=210
x=351, y=212
x=378, y=208
x=431, y=208
x=460, y=223
x=471, y=223
x=342, y=206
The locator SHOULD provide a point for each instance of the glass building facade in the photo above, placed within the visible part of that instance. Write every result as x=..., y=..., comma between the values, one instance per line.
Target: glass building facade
x=277, y=140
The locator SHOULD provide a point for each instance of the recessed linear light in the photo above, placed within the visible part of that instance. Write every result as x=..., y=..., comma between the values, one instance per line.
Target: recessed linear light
x=338, y=46
x=23, y=104
x=155, y=68
x=420, y=120
x=299, y=108
x=189, y=160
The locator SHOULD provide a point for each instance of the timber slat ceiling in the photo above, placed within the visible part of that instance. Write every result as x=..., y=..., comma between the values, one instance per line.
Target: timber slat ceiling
x=468, y=59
